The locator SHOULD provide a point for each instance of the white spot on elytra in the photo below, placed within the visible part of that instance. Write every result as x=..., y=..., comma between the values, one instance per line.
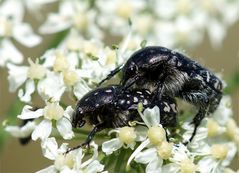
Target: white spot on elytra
x=97, y=105
x=122, y=102
x=108, y=91
x=139, y=92
x=145, y=102
x=95, y=93
x=136, y=99
x=128, y=102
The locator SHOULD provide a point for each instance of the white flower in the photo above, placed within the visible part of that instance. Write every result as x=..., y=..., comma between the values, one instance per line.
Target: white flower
x=72, y=14
x=217, y=157
x=117, y=13
x=51, y=112
x=126, y=137
x=71, y=162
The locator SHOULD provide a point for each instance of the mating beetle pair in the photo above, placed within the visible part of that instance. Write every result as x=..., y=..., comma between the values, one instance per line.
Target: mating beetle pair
x=166, y=74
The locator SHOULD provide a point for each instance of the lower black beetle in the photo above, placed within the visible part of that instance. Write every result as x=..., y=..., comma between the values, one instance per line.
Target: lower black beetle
x=110, y=107
x=167, y=72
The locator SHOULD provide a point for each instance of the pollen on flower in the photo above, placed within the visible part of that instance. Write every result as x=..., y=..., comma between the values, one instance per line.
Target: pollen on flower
x=156, y=135
x=127, y=135
x=213, y=127
x=80, y=21
x=165, y=150
x=5, y=28
x=70, y=77
x=187, y=166
x=61, y=63
x=64, y=160
x=219, y=151
x=53, y=111
x=124, y=9
x=35, y=71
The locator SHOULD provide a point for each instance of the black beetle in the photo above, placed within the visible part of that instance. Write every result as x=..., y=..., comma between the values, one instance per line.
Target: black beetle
x=167, y=72
x=110, y=107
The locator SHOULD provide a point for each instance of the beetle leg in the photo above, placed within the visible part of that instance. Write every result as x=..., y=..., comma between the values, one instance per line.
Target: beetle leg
x=112, y=74
x=89, y=138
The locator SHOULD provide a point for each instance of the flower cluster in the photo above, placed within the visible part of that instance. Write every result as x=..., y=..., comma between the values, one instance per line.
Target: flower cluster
x=85, y=55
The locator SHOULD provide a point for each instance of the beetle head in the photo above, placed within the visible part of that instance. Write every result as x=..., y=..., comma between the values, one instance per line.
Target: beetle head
x=130, y=75
x=78, y=116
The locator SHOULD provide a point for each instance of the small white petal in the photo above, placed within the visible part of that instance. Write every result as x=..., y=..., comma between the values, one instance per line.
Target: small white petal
x=141, y=133
x=94, y=167
x=69, y=112
x=151, y=117
x=112, y=145
x=50, y=169
x=65, y=128
x=49, y=148
x=55, y=80
x=9, y=53
x=171, y=168
x=154, y=166
x=30, y=88
x=80, y=89
x=17, y=76
x=146, y=156
x=54, y=23
x=21, y=132
x=27, y=113
x=23, y=33
x=42, y=131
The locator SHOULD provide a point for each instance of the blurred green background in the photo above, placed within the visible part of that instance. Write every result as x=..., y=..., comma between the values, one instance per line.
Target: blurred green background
x=17, y=158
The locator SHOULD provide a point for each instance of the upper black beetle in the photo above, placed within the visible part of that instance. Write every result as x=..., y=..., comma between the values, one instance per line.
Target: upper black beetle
x=110, y=107
x=167, y=72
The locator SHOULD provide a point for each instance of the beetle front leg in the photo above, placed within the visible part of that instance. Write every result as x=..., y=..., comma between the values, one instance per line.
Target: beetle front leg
x=89, y=138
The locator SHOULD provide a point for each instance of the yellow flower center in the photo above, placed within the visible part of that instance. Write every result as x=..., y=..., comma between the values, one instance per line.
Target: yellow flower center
x=61, y=63
x=80, y=21
x=219, y=151
x=90, y=48
x=213, y=128
x=187, y=166
x=127, y=135
x=64, y=160
x=124, y=9
x=165, y=150
x=70, y=77
x=53, y=111
x=35, y=71
x=231, y=129
x=156, y=135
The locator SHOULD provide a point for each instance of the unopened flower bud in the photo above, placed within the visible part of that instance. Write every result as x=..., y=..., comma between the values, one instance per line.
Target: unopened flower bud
x=187, y=166
x=219, y=151
x=127, y=135
x=165, y=150
x=156, y=135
